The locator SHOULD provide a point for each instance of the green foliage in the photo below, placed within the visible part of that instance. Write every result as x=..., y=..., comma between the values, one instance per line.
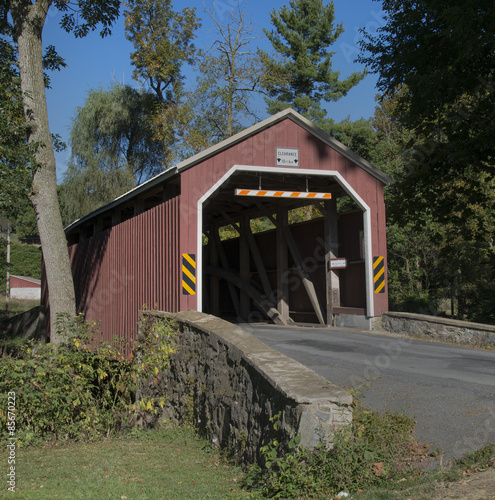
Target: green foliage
x=163, y=41
x=477, y=460
x=413, y=268
x=25, y=224
x=112, y=149
x=83, y=16
x=25, y=260
x=231, y=74
x=151, y=355
x=358, y=135
x=434, y=123
x=442, y=51
x=83, y=388
x=303, y=33
x=378, y=449
x=16, y=157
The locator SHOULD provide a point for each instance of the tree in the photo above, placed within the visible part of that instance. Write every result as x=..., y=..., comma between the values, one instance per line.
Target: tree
x=303, y=33
x=230, y=74
x=28, y=19
x=436, y=59
x=163, y=43
x=112, y=148
x=15, y=155
x=357, y=135
x=435, y=62
x=444, y=52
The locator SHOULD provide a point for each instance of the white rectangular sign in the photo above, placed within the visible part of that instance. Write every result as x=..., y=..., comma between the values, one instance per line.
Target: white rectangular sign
x=287, y=157
x=338, y=263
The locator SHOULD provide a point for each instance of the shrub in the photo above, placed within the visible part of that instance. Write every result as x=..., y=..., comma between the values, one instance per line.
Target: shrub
x=81, y=389
x=377, y=449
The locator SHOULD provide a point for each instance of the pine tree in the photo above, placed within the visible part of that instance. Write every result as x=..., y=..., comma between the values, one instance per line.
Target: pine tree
x=303, y=33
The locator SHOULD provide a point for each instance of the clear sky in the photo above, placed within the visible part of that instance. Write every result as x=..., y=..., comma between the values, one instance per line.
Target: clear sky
x=96, y=62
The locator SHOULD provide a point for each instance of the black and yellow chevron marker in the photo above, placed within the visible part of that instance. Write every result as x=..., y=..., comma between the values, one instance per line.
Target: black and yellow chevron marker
x=188, y=274
x=379, y=274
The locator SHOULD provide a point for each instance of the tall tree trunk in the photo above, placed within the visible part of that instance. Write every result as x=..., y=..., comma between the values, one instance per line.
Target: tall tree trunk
x=29, y=20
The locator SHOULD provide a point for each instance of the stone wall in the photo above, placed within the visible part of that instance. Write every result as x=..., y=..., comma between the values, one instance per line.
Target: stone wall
x=443, y=329
x=233, y=386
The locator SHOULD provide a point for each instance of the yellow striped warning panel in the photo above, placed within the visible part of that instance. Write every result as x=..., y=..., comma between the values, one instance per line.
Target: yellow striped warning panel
x=282, y=194
x=188, y=274
x=379, y=274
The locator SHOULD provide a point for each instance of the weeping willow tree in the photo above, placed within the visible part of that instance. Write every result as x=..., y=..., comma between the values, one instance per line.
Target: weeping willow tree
x=113, y=149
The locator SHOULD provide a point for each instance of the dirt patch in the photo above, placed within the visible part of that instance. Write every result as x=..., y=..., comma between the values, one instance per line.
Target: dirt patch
x=476, y=486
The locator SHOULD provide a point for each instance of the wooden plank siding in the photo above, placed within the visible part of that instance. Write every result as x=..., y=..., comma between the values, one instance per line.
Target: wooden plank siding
x=138, y=262
x=129, y=267
x=261, y=150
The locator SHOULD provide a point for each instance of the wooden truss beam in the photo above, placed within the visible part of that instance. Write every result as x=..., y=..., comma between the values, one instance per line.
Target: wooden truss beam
x=225, y=264
x=262, y=302
x=258, y=260
x=301, y=268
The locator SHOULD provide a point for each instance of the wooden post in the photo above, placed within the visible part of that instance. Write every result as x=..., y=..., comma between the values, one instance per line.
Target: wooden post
x=7, y=295
x=301, y=268
x=244, y=265
x=282, y=267
x=260, y=267
x=214, y=280
x=331, y=252
x=225, y=265
x=116, y=217
x=139, y=206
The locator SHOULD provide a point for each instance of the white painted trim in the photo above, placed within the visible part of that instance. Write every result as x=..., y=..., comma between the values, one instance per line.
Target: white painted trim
x=290, y=170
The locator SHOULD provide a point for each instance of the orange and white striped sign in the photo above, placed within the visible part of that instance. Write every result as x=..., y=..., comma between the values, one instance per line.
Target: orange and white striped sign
x=282, y=194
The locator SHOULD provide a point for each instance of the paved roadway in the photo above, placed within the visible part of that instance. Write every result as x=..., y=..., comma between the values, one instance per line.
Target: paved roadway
x=450, y=390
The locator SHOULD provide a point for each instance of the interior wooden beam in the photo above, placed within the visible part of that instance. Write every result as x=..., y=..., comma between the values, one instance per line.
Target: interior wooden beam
x=301, y=268
x=214, y=281
x=282, y=269
x=331, y=252
x=303, y=273
x=258, y=260
x=262, y=302
x=244, y=266
x=225, y=264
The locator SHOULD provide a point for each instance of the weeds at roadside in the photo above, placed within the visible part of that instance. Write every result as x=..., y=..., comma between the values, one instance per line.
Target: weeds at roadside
x=83, y=388
x=377, y=449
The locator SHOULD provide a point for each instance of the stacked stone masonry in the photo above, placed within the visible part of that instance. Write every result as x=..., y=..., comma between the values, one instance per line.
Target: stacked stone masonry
x=235, y=388
x=442, y=329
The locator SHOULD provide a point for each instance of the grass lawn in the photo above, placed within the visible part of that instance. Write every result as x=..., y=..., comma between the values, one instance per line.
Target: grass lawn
x=157, y=464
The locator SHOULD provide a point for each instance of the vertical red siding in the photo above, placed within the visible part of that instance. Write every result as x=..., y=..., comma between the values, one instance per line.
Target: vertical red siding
x=133, y=264
x=139, y=261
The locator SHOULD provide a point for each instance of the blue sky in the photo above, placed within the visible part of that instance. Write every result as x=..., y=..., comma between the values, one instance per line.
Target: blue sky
x=96, y=62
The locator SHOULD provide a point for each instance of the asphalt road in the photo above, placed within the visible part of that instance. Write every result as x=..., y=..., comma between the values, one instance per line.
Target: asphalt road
x=450, y=390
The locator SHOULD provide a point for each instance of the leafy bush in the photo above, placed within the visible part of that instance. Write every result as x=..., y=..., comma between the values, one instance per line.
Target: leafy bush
x=376, y=450
x=79, y=389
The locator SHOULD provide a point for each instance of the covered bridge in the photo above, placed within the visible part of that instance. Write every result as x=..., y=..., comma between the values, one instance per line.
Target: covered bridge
x=279, y=223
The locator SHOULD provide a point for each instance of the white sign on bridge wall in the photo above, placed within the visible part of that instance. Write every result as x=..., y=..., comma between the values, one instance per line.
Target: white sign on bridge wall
x=287, y=157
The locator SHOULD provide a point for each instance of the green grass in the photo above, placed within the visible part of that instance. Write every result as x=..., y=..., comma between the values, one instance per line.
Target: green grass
x=154, y=464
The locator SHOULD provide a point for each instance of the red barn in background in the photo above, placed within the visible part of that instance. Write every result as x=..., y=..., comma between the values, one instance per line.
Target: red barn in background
x=23, y=287
x=218, y=233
